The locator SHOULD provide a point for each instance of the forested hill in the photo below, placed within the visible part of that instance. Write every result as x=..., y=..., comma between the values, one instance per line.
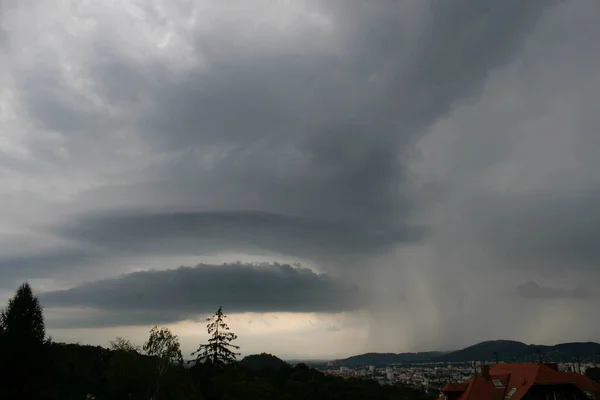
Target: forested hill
x=263, y=361
x=504, y=350
x=78, y=370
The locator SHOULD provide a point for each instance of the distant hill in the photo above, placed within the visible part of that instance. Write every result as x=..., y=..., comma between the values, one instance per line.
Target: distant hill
x=390, y=358
x=263, y=361
x=585, y=351
x=507, y=351
x=512, y=351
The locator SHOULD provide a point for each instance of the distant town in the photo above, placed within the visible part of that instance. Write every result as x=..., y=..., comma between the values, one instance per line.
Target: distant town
x=434, y=371
x=429, y=376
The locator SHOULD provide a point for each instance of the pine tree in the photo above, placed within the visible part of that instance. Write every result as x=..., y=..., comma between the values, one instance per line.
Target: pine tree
x=23, y=319
x=218, y=350
x=24, y=362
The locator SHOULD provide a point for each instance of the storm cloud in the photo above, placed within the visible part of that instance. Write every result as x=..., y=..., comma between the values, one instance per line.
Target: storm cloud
x=531, y=290
x=218, y=231
x=176, y=294
x=432, y=154
x=313, y=126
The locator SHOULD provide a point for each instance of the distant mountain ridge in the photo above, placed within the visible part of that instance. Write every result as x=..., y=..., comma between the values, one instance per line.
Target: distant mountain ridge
x=503, y=350
x=390, y=358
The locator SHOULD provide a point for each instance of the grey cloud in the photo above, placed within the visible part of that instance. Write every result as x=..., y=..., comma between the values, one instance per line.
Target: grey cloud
x=46, y=264
x=515, y=195
x=541, y=229
x=294, y=128
x=183, y=293
x=218, y=231
x=531, y=290
x=50, y=101
x=280, y=96
x=469, y=38
x=518, y=171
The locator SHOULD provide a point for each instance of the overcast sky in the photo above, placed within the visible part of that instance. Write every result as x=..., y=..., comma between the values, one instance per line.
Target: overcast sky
x=342, y=176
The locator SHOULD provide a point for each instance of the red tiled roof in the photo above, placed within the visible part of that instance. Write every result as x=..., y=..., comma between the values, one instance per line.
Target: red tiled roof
x=517, y=379
x=584, y=383
x=477, y=387
x=455, y=387
x=522, y=376
x=482, y=388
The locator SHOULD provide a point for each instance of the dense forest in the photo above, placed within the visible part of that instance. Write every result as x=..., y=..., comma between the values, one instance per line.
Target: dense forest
x=35, y=367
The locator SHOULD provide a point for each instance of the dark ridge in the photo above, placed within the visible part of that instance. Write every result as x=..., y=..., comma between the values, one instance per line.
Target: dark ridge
x=488, y=351
x=263, y=361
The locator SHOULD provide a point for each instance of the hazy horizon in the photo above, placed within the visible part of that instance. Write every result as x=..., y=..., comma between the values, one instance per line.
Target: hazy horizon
x=341, y=176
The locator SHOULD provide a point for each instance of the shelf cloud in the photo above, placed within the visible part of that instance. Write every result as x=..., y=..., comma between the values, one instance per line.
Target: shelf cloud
x=176, y=294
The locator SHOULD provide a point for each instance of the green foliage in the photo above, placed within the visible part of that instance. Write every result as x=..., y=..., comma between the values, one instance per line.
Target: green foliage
x=218, y=350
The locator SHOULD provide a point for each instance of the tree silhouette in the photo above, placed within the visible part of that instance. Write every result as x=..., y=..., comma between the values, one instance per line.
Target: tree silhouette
x=123, y=345
x=23, y=345
x=164, y=347
x=218, y=350
x=127, y=371
x=23, y=319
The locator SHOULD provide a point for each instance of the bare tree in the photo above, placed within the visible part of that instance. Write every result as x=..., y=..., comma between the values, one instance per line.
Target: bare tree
x=218, y=350
x=164, y=347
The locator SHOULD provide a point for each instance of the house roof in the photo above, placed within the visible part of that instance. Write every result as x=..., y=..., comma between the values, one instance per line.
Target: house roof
x=523, y=376
x=477, y=387
x=584, y=383
x=483, y=388
x=455, y=387
x=513, y=381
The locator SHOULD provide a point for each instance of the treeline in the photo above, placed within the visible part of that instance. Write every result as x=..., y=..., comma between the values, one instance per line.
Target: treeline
x=35, y=367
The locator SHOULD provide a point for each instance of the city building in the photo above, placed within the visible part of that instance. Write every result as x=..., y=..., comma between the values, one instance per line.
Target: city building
x=522, y=381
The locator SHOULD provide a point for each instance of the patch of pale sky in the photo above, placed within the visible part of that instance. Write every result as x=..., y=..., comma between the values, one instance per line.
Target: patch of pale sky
x=283, y=334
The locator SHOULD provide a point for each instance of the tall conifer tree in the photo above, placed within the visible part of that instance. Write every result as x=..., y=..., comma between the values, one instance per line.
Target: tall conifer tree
x=219, y=349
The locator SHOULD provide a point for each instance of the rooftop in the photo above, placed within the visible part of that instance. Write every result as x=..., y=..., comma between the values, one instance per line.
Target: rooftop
x=512, y=381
